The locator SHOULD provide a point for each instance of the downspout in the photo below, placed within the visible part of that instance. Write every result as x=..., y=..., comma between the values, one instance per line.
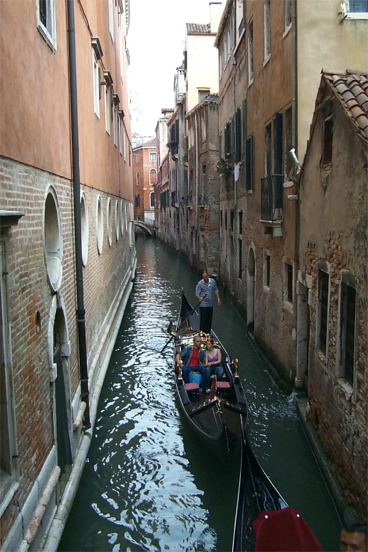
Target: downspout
x=294, y=120
x=197, y=182
x=77, y=216
x=299, y=366
x=294, y=83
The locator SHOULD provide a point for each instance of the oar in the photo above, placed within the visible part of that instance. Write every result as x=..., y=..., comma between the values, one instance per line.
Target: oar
x=182, y=324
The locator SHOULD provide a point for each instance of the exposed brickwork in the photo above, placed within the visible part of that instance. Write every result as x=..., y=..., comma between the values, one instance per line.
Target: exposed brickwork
x=29, y=293
x=334, y=239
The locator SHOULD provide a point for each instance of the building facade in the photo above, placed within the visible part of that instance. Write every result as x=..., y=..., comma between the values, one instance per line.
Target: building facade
x=332, y=326
x=270, y=57
x=189, y=196
x=269, y=70
x=144, y=178
x=67, y=248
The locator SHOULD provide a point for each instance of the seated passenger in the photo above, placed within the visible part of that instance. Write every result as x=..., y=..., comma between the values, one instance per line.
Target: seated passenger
x=213, y=359
x=193, y=359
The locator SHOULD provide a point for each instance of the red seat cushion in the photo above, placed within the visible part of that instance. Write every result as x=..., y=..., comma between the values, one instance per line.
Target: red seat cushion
x=223, y=385
x=191, y=387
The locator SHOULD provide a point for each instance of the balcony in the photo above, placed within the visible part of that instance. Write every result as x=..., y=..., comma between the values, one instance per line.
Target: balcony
x=271, y=203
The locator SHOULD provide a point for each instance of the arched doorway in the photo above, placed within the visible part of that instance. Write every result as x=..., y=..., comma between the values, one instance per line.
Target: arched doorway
x=62, y=422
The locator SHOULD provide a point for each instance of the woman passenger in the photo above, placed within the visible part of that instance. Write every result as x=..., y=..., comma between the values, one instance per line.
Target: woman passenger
x=213, y=359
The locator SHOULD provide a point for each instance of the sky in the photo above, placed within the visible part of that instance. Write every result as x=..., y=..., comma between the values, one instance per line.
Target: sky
x=156, y=43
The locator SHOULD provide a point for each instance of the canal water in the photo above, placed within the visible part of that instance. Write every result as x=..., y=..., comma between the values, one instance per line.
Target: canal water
x=148, y=484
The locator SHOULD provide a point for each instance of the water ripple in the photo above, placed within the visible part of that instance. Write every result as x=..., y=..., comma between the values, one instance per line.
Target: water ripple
x=147, y=484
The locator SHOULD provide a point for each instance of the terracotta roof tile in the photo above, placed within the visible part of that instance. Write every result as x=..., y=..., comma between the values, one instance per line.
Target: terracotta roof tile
x=351, y=89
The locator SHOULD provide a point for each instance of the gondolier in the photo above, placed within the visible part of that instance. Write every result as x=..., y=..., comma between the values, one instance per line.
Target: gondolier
x=206, y=291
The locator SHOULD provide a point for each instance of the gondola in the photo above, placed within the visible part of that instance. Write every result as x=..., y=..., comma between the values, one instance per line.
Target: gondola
x=263, y=519
x=219, y=417
x=256, y=494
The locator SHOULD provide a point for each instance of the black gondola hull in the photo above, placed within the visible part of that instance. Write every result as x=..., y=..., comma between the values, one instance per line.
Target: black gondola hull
x=218, y=421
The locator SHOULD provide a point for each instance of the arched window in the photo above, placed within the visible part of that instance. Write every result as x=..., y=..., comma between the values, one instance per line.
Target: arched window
x=84, y=229
x=152, y=177
x=99, y=225
x=53, y=243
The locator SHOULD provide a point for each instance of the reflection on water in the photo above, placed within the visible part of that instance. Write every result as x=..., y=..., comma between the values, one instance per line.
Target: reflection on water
x=148, y=484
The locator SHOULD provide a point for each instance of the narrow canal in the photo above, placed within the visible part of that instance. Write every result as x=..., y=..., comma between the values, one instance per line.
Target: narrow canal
x=147, y=484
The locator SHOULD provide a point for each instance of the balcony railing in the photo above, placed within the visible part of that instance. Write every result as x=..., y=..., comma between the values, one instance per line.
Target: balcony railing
x=271, y=198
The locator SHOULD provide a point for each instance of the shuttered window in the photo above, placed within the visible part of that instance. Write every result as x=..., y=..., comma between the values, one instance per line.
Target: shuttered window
x=249, y=156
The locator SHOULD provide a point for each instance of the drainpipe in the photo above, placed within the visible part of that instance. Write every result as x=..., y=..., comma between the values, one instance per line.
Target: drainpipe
x=300, y=352
x=197, y=182
x=294, y=121
x=294, y=82
x=77, y=216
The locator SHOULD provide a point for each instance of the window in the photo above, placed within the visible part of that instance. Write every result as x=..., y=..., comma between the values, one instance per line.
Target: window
x=120, y=130
x=84, y=228
x=152, y=157
x=137, y=201
x=117, y=220
x=137, y=179
x=109, y=222
x=267, y=270
x=327, y=141
x=99, y=225
x=229, y=135
x=358, y=7
x=108, y=109
x=244, y=123
x=249, y=156
x=232, y=221
x=288, y=144
x=238, y=135
x=250, y=53
x=152, y=200
x=204, y=178
x=8, y=453
x=347, y=341
x=53, y=240
x=124, y=146
x=268, y=151
x=121, y=38
x=287, y=14
x=96, y=84
x=46, y=23
x=266, y=29
x=323, y=282
x=115, y=124
x=202, y=94
x=240, y=223
x=111, y=19
x=288, y=282
x=240, y=258
x=152, y=177
x=203, y=124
